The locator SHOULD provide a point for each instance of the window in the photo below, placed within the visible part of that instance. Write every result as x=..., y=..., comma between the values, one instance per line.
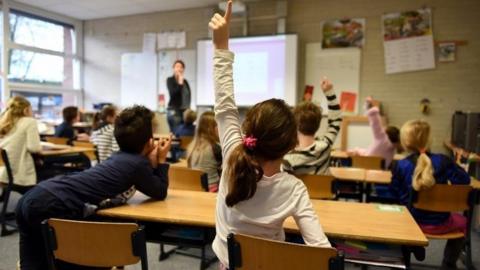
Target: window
x=44, y=52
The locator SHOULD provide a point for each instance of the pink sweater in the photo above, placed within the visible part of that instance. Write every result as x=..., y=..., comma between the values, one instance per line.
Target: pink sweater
x=381, y=146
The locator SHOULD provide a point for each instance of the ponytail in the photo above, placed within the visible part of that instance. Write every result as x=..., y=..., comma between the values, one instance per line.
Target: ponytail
x=243, y=174
x=423, y=174
x=16, y=107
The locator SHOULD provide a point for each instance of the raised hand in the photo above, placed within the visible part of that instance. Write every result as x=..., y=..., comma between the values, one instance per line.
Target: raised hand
x=326, y=85
x=221, y=26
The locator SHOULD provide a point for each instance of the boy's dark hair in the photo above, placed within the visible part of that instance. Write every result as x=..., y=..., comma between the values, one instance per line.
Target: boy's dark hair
x=189, y=116
x=69, y=113
x=179, y=62
x=308, y=117
x=393, y=134
x=133, y=129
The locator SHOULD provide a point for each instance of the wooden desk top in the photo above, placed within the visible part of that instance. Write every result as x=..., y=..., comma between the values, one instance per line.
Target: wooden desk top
x=475, y=183
x=181, y=163
x=345, y=220
x=340, y=154
x=348, y=174
x=49, y=149
x=378, y=177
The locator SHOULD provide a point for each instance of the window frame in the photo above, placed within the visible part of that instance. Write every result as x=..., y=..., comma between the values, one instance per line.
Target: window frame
x=6, y=6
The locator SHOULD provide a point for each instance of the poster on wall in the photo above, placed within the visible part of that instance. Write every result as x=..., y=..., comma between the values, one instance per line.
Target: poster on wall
x=343, y=33
x=446, y=52
x=408, y=41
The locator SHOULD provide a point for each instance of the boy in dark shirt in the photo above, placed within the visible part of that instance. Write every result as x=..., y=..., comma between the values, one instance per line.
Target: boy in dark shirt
x=71, y=116
x=139, y=163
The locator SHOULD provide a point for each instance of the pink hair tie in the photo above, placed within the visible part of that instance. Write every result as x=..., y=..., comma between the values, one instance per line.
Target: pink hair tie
x=250, y=142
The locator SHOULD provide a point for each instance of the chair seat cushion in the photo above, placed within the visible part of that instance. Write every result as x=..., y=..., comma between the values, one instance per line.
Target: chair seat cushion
x=451, y=235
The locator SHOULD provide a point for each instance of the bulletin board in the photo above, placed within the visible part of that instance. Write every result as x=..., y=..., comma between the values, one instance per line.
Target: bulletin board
x=341, y=66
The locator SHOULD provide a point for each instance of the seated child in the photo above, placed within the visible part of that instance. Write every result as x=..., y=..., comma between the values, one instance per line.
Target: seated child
x=421, y=170
x=71, y=115
x=312, y=155
x=20, y=139
x=204, y=153
x=385, y=141
x=255, y=196
x=187, y=128
x=102, y=134
x=140, y=162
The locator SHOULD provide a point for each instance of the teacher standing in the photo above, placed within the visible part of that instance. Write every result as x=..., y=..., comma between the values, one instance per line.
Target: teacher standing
x=180, y=95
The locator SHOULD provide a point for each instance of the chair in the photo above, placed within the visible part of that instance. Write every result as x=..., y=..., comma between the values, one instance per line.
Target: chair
x=57, y=140
x=187, y=179
x=320, y=187
x=7, y=190
x=253, y=253
x=448, y=198
x=94, y=244
x=185, y=141
x=92, y=155
x=368, y=162
x=192, y=180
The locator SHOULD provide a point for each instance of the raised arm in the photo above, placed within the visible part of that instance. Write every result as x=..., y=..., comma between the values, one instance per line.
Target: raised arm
x=375, y=121
x=226, y=112
x=334, y=113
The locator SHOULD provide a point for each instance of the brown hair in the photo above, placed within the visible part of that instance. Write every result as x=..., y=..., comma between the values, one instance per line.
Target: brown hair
x=308, y=117
x=393, y=134
x=69, y=113
x=415, y=136
x=178, y=61
x=99, y=117
x=206, y=135
x=273, y=125
x=16, y=107
x=189, y=116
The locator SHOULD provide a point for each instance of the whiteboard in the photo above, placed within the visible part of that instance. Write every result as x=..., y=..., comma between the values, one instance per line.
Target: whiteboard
x=139, y=80
x=165, y=70
x=341, y=66
x=359, y=135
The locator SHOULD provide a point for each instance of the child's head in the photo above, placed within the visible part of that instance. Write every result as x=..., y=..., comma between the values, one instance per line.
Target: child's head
x=270, y=132
x=415, y=137
x=189, y=116
x=17, y=107
x=308, y=117
x=207, y=127
x=71, y=114
x=133, y=129
x=393, y=134
x=108, y=114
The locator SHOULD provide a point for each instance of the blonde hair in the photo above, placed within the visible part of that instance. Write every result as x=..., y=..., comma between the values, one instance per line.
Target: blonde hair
x=206, y=135
x=415, y=137
x=15, y=110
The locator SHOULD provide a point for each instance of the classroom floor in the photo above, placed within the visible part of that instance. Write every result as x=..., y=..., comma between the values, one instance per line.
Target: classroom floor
x=9, y=257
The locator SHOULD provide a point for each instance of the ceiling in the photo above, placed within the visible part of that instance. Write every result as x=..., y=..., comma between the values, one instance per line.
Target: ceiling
x=95, y=9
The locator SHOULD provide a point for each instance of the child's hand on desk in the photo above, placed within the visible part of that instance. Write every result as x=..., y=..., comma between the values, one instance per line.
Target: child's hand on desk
x=220, y=26
x=164, y=145
x=326, y=85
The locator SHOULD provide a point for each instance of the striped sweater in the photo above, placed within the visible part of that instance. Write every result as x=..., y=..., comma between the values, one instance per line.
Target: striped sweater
x=315, y=158
x=105, y=141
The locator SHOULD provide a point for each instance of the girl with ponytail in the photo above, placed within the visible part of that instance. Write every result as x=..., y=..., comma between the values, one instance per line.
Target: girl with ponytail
x=255, y=196
x=420, y=171
x=19, y=138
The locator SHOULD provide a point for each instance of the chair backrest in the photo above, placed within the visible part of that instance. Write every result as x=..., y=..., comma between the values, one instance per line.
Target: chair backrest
x=94, y=244
x=319, y=186
x=253, y=253
x=57, y=140
x=92, y=155
x=185, y=141
x=4, y=161
x=443, y=198
x=368, y=162
x=187, y=179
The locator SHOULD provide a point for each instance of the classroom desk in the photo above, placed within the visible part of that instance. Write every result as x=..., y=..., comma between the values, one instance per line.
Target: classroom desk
x=340, y=154
x=182, y=163
x=348, y=174
x=344, y=220
x=378, y=177
x=49, y=149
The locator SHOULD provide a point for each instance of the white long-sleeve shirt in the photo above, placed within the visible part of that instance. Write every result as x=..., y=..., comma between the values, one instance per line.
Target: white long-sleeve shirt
x=20, y=143
x=277, y=197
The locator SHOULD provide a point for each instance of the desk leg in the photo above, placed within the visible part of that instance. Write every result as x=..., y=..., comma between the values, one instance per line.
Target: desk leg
x=418, y=252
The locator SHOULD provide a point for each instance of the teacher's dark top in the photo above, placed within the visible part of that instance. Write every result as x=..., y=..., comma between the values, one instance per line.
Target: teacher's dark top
x=180, y=95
